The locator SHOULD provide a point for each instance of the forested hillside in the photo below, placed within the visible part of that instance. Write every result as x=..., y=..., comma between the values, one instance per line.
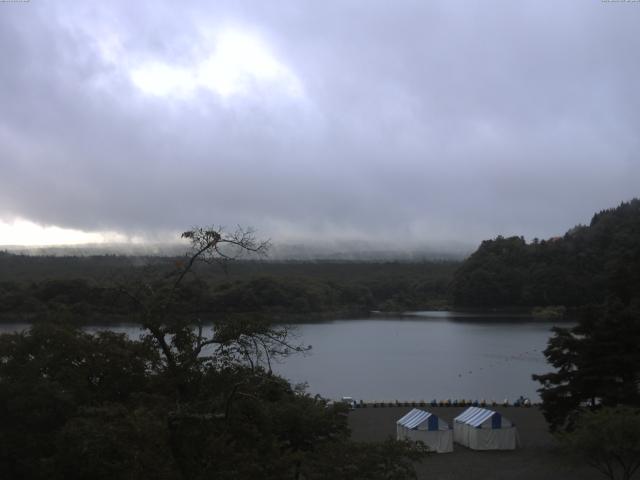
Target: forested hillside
x=585, y=266
x=91, y=286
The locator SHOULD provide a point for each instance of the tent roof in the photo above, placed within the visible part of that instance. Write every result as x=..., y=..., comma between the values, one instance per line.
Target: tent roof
x=475, y=416
x=414, y=418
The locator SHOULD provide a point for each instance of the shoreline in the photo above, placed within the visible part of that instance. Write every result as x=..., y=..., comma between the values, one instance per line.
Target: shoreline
x=287, y=318
x=446, y=403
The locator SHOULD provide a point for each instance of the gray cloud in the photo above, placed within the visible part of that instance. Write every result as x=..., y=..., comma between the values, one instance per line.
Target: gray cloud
x=418, y=122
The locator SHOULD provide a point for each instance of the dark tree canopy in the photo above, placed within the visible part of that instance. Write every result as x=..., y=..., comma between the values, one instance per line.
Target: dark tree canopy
x=608, y=440
x=585, y=266
x=597, y=363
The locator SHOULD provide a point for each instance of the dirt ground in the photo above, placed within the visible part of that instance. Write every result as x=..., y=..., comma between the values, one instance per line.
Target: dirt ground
x=538, y=457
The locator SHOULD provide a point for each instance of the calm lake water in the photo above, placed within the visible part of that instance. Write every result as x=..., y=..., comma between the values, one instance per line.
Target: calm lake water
x=424, y=355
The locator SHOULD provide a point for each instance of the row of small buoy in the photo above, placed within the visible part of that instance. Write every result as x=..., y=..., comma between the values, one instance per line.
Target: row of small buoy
x=507, y=358
x=520, y=402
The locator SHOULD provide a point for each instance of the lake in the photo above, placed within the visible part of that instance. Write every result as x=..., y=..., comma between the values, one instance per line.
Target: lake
x=422, y=355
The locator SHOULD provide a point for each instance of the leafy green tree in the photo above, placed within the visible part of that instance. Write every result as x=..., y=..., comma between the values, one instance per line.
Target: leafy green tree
x=47, y=375
x=597, y=363
x=114, y=441
x=608, y=439
x=389, y=460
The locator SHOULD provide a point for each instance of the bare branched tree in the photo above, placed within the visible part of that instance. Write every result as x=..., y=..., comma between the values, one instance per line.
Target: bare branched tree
x=185, y=343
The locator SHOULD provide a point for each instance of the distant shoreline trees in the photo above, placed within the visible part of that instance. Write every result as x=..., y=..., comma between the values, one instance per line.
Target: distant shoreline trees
x=272, y=289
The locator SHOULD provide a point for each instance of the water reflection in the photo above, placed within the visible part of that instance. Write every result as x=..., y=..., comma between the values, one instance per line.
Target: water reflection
x=424, y=355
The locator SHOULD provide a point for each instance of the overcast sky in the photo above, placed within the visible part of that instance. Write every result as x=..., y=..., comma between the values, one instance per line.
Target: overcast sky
x=407, y=122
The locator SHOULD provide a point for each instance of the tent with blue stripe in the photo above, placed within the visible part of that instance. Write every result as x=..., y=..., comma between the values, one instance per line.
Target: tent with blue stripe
x=434, y=432
x=482, y=429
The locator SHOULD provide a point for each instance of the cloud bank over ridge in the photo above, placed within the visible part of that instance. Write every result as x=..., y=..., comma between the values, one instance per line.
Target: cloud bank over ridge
x=405, y=123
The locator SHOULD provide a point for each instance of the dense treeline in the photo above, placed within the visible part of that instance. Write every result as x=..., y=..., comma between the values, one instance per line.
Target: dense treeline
x=585, y=266
x=595, y=270
x=76, y=406
x=248, y=287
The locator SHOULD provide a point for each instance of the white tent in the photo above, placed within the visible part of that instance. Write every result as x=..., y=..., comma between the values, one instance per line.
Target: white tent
x=482, y=429
x=426, y=427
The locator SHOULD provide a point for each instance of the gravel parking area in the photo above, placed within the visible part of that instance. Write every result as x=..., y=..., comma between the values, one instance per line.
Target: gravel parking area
x=538, y=458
